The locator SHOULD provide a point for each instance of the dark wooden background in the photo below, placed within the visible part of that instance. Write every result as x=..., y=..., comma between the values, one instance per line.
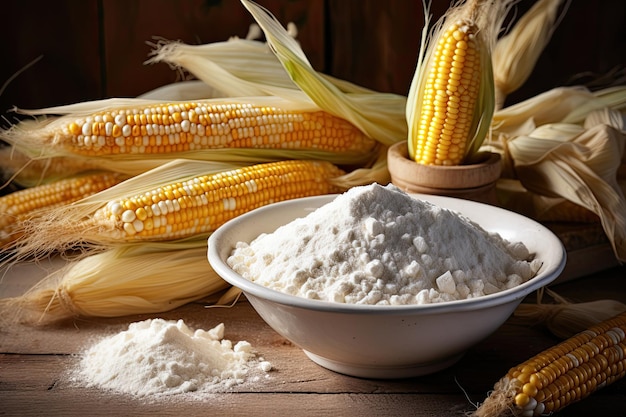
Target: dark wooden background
x=93, y=49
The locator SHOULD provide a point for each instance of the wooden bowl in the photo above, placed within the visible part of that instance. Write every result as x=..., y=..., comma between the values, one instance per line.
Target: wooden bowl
x=471, y=182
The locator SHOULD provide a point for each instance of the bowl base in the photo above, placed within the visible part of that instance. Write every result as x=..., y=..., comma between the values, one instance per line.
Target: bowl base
x=384, y=372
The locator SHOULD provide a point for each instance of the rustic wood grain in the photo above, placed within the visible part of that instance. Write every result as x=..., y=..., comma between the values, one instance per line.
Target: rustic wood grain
x=36, y=365
x=64, y=37
x=129, y=25
x=94, y=49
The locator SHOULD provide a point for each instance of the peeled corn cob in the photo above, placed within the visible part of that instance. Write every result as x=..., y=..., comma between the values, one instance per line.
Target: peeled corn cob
x=187, y=207
x=24, y=204
x=203, y=203
x=563, y=374
x=179, y=127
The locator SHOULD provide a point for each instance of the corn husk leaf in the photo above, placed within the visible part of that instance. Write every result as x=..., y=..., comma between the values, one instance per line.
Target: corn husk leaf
x=516, y=53
x=379, y=115
x=188, y=90
x=565, y=318
x=561, y=104
x=515, y=197
x=579, y=164
x=128, y=279
x=233, y=68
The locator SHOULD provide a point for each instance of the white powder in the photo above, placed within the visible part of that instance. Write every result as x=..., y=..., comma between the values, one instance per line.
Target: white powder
x=378, y=245
x=166, y=357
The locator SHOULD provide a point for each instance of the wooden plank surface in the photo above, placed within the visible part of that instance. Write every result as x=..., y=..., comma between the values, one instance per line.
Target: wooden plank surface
x=36, y=365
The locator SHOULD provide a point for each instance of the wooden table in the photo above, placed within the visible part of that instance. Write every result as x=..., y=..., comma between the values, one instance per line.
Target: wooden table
x=35, y=362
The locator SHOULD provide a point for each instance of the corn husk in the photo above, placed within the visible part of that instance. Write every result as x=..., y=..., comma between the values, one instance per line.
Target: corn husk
x=564, y=318
x=513, y=195
x=128, y=279
x=516, y=53
x=557, y=105
x=232, y=68
x=280, y=68
x=568, y=143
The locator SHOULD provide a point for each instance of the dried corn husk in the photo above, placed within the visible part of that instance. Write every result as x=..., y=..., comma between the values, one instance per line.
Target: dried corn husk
x=516, y=53
x=513, y=195
x=129, y=279
x=280, y=68
x=564, y=318
x=569, y=144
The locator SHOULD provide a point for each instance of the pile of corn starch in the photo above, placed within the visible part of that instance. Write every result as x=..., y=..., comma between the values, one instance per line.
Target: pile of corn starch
x=377, y=245
x=157, y=356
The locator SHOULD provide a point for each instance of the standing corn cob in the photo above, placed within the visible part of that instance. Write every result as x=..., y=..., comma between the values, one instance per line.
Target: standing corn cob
x=178, y=127
x=187, y=207
x=450, y=97
x=451, y=100
x=25, y=204
x=563, y=374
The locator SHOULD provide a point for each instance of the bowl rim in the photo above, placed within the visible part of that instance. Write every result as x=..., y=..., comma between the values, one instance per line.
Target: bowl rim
x=515, y=294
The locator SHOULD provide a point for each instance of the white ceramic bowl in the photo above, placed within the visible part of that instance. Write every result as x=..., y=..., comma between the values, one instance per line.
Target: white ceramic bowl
x=386, y=341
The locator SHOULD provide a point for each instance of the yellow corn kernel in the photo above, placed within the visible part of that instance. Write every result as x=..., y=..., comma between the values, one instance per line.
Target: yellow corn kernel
x=563, y=374
x=450, y=96
x=192, y=126
x=203, y=203
x=30, y=202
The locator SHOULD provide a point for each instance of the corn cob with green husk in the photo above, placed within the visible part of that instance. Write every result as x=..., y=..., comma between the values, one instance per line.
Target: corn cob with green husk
x=563, y=374
x=451, y=99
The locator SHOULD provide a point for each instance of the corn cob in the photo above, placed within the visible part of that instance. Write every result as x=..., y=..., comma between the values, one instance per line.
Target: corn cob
x=178, y=127
x=27, y=203
x=563, y=374
x=452, y=99
x=189, y=206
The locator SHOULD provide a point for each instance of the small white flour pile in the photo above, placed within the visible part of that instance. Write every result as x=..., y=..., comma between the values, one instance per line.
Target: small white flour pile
x=377, y=245
x=166, y=357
